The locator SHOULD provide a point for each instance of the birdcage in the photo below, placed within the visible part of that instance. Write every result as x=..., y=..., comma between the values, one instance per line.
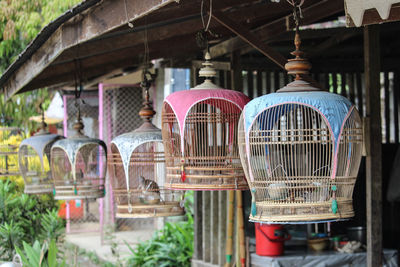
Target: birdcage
x=199, y=128
x=137, y=170
x=78, y=166
x=301, y=150
x=34, y=161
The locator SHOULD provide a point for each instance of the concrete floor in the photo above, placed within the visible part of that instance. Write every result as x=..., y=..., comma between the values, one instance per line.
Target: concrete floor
x=91, y=242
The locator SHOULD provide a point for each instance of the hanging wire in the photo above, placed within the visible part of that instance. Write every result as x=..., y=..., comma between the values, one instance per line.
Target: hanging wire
x=201, y=36
x=146, y=47
x=78, y=76
x=205, y=27
x=127, y=16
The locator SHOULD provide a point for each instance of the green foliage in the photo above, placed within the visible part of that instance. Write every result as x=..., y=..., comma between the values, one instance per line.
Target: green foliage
x=52, y=226
x=17, y=110
x=25, y=218
x=10, y=235
x=189, y=200
x=37, y=256
x=21, y=21
x=172, y=246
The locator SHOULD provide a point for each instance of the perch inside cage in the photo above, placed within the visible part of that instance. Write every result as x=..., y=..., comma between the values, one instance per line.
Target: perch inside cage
x=301, y=149
x=199, y=128
x=136, y=166
x=34, y=161
x=78, y=166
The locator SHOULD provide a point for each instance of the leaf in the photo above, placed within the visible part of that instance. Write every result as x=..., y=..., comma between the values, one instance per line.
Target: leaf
x=52, y=255
x=32, y=255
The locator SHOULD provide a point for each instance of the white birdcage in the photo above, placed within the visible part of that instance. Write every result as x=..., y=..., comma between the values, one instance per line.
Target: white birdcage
x=136, y=166
x=34, y=161
x=199, y=128
x=301, y=150
x=78, y=166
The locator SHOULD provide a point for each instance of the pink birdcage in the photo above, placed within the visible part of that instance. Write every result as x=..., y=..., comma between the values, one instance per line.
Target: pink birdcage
x=199, y=128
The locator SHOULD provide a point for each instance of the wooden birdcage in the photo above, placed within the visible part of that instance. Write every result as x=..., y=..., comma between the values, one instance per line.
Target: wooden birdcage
x=199, y=128
x=301, y=150
x=34, y=161
x=78, y=166
x=136, y=166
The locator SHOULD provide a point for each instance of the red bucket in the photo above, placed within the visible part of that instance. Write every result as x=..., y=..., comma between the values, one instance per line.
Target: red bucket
x=270, y=239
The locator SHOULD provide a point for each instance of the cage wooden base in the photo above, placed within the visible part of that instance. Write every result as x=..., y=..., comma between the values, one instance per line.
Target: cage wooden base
x=136, y=203
x=68, y=192
x=149, y=211
x=210, y=178
x=294, y=212
x=38, y=188
x=205, y=187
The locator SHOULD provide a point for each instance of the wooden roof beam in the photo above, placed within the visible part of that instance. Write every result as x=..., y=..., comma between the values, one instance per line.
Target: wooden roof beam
x=330, y=42
x=98, y=20
x=312, y=14
x=250, y=38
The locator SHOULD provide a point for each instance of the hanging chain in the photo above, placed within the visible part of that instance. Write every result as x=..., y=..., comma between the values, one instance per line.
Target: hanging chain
x=43, y=123
x=297, y=12
x=78, y=126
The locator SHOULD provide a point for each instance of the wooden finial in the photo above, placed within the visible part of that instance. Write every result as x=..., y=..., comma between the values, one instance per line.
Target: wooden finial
x=298, y=65
x=78, y=125
x=146, y=112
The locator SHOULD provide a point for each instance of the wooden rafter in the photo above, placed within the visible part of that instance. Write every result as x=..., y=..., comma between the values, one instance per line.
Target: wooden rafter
x=79, y=29
x=317, y=11
x=250, y=38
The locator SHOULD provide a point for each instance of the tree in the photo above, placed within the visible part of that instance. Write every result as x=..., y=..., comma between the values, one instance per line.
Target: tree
x=20, y=22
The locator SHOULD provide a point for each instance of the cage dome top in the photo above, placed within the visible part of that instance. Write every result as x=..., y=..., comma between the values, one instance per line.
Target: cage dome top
x=181, y=102
x=128, y=142
x=334, y=108
x=71, y=146
x=39, y=143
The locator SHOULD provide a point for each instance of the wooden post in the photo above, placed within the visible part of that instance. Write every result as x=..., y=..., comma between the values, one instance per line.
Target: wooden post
x=373, y=145
x=198, y=225
x=229, y=229
x=236, y=73
x=206, y=226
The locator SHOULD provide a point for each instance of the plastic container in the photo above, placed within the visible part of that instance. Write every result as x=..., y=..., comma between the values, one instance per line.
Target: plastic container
x=270, y=239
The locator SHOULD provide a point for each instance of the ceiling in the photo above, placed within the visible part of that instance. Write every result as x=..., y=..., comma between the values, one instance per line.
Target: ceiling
x=94, y=41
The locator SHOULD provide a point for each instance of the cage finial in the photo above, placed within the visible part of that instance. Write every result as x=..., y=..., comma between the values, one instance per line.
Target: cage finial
x=43, y=124
x=298, y=65
x=208, y=72
x=146, y=112
x=78, y=125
